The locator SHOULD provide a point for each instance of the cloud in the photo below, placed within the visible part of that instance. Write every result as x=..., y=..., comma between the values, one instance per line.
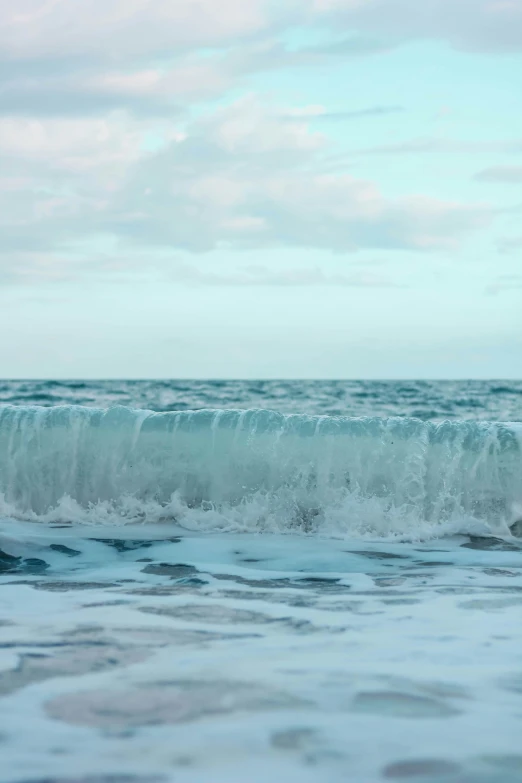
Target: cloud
x=245, y=179
x=145, y=91
x=155, y=81
x=149, y=57
x=158, y=85
x=504, y=174
x=125, y=31
x=152, y=57
x=119, y=31
x=71, y=144
x=238, y=177
x=493, y=26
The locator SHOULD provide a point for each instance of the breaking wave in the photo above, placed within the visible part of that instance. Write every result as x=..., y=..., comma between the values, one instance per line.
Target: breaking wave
x=258, y=470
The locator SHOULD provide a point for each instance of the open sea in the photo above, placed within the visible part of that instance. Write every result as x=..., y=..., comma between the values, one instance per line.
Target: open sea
x=241, y=582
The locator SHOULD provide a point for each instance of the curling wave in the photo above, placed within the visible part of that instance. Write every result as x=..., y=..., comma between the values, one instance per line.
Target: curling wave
x=258, y=470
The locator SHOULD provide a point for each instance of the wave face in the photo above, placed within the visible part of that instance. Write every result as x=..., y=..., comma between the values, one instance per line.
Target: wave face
x=259, y=470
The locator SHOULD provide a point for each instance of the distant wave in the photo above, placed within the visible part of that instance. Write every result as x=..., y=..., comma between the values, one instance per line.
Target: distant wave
x=258, y=470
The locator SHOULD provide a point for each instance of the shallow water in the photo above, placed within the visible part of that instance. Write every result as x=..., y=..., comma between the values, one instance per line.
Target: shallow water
x=142, y=652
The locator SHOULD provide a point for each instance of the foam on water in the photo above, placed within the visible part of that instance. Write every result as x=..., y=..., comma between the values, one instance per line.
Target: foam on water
x=149, y=633
x=260, y=471
x=128, y=655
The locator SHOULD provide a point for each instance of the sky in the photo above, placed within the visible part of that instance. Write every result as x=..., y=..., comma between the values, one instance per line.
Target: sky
x=261, y=189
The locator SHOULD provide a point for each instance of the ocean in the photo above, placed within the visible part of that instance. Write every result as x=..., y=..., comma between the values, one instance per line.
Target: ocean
x=242, y=581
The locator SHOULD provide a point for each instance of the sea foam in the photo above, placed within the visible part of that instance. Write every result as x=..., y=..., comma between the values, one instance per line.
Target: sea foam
x=259, y=470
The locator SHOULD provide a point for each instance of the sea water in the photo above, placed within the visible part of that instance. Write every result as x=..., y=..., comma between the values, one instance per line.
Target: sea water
x=251, y=581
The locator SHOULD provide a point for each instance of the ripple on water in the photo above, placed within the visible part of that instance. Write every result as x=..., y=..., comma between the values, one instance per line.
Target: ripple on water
x=508, y=763
x=75, y=661
x=404, y=705
x=164, y=703
x=98, y=779
x=421, y=769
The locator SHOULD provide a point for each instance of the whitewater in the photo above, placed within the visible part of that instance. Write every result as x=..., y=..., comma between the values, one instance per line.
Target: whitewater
x=258, y=470
x=242, y=581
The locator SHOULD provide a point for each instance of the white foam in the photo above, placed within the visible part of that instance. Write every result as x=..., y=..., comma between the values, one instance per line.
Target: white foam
x=260, y=471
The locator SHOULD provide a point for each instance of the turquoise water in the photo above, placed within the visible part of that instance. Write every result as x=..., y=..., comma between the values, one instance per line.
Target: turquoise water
x=495, y=400
x=295, y=582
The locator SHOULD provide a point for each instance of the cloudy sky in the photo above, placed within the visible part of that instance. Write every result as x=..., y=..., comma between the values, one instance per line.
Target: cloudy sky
x=261, y=188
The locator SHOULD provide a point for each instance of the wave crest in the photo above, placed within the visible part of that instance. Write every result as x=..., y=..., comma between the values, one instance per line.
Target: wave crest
x=260, y=470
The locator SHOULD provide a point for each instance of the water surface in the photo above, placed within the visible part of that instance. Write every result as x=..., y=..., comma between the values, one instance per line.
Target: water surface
x=301, y=594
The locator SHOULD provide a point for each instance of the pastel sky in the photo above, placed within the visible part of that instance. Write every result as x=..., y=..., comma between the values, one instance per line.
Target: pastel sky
x=261, y=188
